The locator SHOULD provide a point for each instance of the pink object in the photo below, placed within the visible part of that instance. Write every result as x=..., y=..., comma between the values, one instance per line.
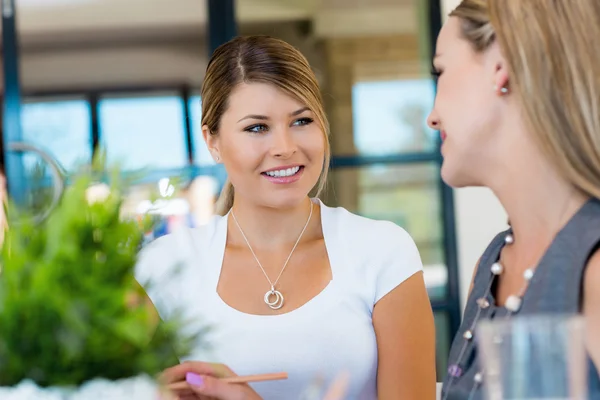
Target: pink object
x=194, y=379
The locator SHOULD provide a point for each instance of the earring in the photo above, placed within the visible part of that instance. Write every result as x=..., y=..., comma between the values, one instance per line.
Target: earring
x=217, y=158
x=503, y=90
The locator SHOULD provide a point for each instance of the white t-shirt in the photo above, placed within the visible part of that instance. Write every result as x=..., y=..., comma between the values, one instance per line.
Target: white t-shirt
x=331, y=334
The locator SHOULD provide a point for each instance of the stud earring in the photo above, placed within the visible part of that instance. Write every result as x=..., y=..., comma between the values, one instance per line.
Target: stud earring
x=503, y=90
x=217, y=158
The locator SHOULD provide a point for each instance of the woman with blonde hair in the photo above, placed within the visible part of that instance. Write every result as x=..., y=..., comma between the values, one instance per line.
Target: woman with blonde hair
x=518, y=108
x=285, y=282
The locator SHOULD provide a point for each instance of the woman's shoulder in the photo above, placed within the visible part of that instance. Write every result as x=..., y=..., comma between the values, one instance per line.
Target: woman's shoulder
x=384, y=253
x=364, y=231
x=162, y=254
x=182, y=238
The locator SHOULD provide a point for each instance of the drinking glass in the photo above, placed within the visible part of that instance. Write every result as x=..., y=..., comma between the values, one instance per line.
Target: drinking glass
x=534, y=357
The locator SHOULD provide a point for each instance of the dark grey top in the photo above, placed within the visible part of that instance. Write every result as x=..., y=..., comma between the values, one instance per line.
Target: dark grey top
x=556, y=288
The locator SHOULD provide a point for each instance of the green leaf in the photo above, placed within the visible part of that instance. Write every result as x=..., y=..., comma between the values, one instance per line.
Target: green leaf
x=66, y=292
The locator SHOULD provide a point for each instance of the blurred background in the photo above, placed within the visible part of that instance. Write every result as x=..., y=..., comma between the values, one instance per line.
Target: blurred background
x=126, y=75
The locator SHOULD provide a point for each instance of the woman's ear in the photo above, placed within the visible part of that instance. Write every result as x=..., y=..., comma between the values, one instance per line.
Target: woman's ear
x=212, y=144
x=501, y=81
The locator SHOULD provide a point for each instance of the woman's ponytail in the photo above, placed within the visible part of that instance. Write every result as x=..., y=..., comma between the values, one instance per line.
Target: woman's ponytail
x=225, y=200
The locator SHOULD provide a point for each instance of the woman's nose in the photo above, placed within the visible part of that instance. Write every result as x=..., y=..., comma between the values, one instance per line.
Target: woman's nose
x=284, y=145
x=433, y=121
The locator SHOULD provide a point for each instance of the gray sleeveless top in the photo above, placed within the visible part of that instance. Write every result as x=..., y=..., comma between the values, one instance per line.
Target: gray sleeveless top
x=556, y=287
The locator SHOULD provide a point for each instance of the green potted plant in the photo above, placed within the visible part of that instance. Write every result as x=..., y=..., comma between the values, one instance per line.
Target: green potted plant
x=74, y=322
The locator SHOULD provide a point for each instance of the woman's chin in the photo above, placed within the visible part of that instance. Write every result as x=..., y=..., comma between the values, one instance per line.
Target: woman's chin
x=285, y=201
x=453, y=177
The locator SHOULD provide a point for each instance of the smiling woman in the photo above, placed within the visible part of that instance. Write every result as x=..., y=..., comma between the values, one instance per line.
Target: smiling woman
x=520, y=121
x=283, y=128
x=236, y=80
x=287, y=283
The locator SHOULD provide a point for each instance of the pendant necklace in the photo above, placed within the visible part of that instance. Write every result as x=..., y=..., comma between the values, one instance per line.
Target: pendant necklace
x=273, y=298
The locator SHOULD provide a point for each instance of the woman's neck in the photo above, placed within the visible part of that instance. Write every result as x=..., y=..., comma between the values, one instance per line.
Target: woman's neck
x=268, y=227
x=539, y=203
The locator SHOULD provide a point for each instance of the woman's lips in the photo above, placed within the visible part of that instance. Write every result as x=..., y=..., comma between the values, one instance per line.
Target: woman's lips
x=443, y=135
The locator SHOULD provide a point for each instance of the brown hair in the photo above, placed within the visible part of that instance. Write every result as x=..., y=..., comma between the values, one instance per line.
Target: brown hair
x=553, y=53
x=259, y=59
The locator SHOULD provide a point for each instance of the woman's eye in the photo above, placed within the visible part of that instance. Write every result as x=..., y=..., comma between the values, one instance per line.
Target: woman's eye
x=303, y=121
x=258, y=128
x=435, y=73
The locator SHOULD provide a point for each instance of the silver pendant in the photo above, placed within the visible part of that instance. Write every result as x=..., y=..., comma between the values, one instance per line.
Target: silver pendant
x=274, y=299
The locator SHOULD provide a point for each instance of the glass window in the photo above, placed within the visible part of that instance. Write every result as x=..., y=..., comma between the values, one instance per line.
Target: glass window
x=201, y=154
x=143, y=132
x=407, y=195
x=390, y=116
x=60, y=127
x=442, y=341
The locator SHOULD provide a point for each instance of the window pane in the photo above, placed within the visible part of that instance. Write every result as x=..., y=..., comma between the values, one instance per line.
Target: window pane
x=201, y=154
x=144, y=132
x=60, y=127
x=390, y=116
x=407, y=195
x=442, y=341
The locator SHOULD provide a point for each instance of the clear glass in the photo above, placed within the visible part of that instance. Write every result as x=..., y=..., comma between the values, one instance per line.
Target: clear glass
x=391, y=116
x=40, y=186
x=534, y=357
x=60, y=127
x=143, y=132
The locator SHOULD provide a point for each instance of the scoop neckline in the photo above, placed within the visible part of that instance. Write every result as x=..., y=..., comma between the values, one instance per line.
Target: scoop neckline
x=315, y=303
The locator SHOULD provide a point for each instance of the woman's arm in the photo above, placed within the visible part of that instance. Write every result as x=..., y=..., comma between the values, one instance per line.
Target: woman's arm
x=405, y=331
x=591, y=307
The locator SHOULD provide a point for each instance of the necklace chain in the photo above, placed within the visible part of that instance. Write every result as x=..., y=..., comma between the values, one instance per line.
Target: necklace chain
x=278, y=302
x=513, y=305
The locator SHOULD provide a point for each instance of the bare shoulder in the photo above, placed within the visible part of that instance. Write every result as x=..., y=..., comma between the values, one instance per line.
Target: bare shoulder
x=164, y=254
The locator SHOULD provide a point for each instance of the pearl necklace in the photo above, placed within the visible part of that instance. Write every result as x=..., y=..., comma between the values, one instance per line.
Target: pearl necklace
x=513, y=305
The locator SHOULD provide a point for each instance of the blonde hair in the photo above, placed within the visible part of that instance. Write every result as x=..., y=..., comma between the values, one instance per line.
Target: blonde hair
x=267, y=60
x=553, y=54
